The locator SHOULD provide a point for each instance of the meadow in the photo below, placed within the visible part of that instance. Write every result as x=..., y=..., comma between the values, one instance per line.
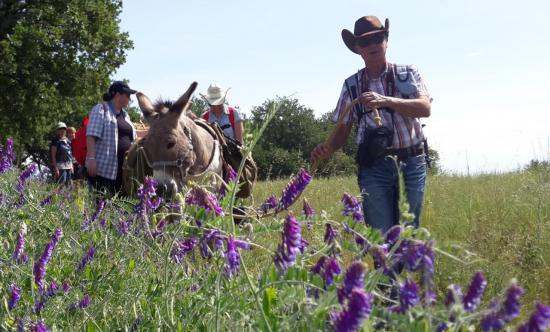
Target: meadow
x=140, y=264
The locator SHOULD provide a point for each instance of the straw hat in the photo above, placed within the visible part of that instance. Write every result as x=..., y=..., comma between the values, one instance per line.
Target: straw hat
x=215, y=94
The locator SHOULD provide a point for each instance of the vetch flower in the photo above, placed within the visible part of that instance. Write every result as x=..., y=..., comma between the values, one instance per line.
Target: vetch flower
x=290, y=245
x=392, y=235
x=7, y=156
x=318, y=267
x=39, y=327
x=355, y=274
x=454, y=295
x=202, y=198
x=40, y=265
x=504, y=312
x=84, y=302
x=408, y=296
x=15, y=295
x=270, y=203
x=66, y=288
x=352, y=207
x=19, y=254
x=330, y=234
x=148, y=199
x=22, y=181
x=86, y=259
x=416, y=255
x=232, y=257
x=230, y=176
x=182, y=248
x=357, y=309
x=211, y=242
x=475, y=291
x=539, y=320
x=379, y=257
x=294, y=188
x=332, y=269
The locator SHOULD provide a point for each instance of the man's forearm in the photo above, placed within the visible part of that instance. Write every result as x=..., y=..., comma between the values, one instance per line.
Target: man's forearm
x=90, y=147
x=339, y=136
x=413, y=108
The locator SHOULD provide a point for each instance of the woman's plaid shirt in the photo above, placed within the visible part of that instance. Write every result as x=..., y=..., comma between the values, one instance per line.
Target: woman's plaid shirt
x=103, y=126
x=407, y=131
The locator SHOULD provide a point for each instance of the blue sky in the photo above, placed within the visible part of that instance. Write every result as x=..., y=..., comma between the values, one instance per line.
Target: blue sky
x=486, y=63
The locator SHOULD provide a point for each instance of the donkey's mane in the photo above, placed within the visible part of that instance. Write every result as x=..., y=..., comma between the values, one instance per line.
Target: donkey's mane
x=162, y=106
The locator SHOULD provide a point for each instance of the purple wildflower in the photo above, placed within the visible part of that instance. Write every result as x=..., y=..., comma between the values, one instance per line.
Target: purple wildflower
x=66, y=288
x=230, y=175
x=203, y=199
x=408, y=296
x=15, y=295
x=308, y=211
x=270, y=203
x=19, y=254
x=454, y=295
x=22, y=181
x=416, y=255
x=318, y=267
x=358, y=309
x=233, y=259
x=39, y=327
x=157, y=233
x=182, y=248
x=54, y=287
x=148, y=199
x=211, y=241
x=330, y=234
x=46, y=201
x=332, y=269
x=473, y=297
x=392, y=235
x=86, y=259
x=352, y=207
x=502, y=314
x=290, y=245
x=124, y=227
x=379, y=257
x=355, y=274
x=84, y=302
x=7, y=156
x=539, y=320
x=40, y=265
x=294, y=188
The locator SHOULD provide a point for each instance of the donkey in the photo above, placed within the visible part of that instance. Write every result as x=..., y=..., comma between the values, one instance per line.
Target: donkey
x=176, y=147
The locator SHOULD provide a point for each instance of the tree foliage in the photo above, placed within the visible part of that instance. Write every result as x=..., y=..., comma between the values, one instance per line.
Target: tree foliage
x=57, y=57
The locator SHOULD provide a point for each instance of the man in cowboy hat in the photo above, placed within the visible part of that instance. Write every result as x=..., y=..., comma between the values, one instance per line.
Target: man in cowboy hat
x=396, y=95
x=227, y=117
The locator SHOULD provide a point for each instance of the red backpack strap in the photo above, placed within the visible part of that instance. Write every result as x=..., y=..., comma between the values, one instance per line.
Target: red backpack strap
x=232, y=117
x=206, y=115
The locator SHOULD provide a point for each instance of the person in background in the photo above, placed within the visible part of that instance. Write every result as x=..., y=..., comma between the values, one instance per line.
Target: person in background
x=61, y=156
x=71, y=132
x=227, y=117
x=394, y=147
x=77, y=168
x=109, y=134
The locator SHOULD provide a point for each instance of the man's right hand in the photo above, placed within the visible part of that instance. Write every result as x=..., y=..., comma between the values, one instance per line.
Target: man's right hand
x=321, y=151
x=91, y=167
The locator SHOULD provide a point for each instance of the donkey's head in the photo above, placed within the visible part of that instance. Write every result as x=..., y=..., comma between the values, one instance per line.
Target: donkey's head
x=169, y=143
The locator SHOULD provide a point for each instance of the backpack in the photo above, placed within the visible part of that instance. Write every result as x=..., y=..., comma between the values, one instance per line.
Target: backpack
x=79, y=143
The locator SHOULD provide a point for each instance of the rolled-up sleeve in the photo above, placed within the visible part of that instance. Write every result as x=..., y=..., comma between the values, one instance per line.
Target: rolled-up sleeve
x=96, y=121
x=343, y=102
x=421, y=88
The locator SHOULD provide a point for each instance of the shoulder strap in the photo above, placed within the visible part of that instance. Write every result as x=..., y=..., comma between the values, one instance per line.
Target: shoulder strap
x=353, y=93
x=232, y=117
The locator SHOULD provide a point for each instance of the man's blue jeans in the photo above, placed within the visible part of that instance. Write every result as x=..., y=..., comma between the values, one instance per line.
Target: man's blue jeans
x=379, y=185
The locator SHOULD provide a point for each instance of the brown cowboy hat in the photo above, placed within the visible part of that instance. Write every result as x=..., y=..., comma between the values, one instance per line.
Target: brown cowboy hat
x=365, y=26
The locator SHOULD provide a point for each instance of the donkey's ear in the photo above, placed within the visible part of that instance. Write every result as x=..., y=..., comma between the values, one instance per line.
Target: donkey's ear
x=182, y=103
x=145, y=105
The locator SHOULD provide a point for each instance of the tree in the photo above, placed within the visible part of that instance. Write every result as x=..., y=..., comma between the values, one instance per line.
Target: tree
x=57, y=57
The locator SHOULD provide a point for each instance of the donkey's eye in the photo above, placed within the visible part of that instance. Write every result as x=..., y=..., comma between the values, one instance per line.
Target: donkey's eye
x=170, y=145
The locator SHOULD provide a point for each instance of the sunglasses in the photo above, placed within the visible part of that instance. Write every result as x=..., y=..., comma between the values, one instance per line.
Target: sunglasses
x=374, y=39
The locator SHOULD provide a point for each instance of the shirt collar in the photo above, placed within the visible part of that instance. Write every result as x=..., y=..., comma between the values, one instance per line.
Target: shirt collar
x=383, y=74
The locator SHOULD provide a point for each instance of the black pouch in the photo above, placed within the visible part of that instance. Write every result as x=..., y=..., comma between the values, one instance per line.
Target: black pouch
x=374, y=146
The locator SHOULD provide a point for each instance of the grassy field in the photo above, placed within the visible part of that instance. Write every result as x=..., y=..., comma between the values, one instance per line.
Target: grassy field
x=499, y=224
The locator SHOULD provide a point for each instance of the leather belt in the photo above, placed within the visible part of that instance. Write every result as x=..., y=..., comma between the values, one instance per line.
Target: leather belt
x=406, y=153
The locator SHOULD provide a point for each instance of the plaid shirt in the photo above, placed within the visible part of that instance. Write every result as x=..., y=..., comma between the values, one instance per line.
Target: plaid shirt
x=103, y=126
x=407, y=131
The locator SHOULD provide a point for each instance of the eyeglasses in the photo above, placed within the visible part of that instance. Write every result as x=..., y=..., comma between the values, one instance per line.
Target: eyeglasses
x=373, y=39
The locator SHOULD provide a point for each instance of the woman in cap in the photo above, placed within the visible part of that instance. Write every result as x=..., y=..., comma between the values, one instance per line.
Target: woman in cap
x=61, y=156
x=109, y=134
x=227, y=117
